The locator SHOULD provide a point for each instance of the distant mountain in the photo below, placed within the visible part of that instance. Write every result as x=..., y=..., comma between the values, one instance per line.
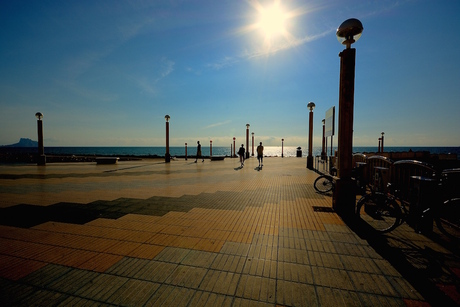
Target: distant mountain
x=23, y=142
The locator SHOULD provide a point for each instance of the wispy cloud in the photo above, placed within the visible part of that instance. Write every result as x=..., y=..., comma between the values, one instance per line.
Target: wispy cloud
x=218, y=124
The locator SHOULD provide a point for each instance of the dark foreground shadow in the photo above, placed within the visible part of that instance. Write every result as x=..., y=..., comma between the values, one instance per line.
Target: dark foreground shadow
x=238, y=168
x=435, y=274
x=258, y=168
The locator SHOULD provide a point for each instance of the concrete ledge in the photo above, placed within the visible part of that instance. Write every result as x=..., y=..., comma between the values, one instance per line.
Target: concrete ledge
x=107, y=160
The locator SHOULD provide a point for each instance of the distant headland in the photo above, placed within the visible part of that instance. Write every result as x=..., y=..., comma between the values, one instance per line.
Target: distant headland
x=23, y=142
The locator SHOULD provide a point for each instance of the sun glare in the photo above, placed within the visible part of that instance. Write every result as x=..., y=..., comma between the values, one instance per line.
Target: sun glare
x=272, y=20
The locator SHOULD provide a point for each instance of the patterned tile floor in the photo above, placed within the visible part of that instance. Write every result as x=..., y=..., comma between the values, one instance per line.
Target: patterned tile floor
x=144, y=233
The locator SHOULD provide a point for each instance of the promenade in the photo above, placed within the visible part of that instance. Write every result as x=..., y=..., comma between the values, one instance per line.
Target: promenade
x=149, y=233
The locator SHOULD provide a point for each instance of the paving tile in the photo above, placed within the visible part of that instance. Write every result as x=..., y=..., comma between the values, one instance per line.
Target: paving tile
x=186, y=276
x=294, y=272
x=332, y=278
x=337, y=297
x=208, y=299
x=155, y=271
x=72, y=281
x=199, y=258
x=102, y=287
x=172, y=254
x=295, y=294
x=133, y=293
x=220, y=282
x=257, y=288
x=229, y=263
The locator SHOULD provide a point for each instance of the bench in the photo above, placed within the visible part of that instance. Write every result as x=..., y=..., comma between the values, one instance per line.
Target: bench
x=107, y=160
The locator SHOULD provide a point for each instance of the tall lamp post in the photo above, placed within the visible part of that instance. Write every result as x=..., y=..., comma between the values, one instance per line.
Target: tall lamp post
x=311, y=107
x=323, y=147
x=41, y=149
x=252, y=154
x=344, y=197
x=382, y=140
x=247, y=141
x=210, y=148
x=234, y=138
x=185, y=151
x=282, y=148
x=167, y=155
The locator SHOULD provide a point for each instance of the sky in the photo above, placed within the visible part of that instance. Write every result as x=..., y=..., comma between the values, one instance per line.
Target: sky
x=105, y=73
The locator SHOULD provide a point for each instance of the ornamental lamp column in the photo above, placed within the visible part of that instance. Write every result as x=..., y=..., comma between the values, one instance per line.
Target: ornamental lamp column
x=382, y=141
x=234, y=138
x=247, y=141
x=167, y=155
x=41, y=149
x=323, y=147
x=282, y=148
x=344, y=197
x=210, y=148
x=252, y=154
x=311, y=107
x=185, y=151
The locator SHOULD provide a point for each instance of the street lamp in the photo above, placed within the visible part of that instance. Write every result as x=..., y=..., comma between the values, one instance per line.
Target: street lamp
x=323, y=147
x=210, y=148
x=311, y=107
x=41, y=149
x=282, y=148
x=167, y=155
x=252, y=154
x=247, y=141
x=382, y=140
x=185, y=151
x=234, y=138
x=344, y=197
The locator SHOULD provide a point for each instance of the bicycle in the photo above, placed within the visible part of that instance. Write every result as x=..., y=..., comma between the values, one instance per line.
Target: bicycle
x=385, y=211
x=325, y=183
x=379, y=209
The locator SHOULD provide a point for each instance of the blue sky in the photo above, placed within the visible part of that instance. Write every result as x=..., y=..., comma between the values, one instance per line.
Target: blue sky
x=105, y=73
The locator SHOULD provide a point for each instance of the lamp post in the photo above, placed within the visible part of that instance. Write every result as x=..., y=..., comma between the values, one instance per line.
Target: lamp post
x=311, y=107
x=382, y=141
x=234, y=138
x=247, y=141
x=323, y=147
x=252, y=154
x=282, y=148
x=344, y=197
x=210, y=148
x=185, y=151
x=167, y=155
x=41, y=149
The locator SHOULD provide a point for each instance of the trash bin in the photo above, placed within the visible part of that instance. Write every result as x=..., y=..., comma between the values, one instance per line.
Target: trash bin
x=423, y=195
x=299, y=152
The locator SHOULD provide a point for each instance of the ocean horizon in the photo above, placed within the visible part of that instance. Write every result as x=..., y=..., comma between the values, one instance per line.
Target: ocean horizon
x=270, y=151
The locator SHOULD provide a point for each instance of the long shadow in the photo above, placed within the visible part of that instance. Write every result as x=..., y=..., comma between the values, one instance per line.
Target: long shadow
x=423, y=268
x=258, y=168
x=238, y=168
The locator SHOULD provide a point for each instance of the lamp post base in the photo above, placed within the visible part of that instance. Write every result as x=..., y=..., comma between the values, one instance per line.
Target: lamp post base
x=41, y=160
x=344, y=197
x=310, y=162
x=167, y=158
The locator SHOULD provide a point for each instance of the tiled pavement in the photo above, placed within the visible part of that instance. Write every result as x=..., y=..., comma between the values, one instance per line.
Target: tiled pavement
x=144, y=233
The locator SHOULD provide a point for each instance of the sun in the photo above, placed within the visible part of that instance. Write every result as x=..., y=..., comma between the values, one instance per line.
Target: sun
x=272, y=20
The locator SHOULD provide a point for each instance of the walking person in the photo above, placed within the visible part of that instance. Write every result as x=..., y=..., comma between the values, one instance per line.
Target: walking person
x=241, y=154
x=260, y=154
x=198, y=152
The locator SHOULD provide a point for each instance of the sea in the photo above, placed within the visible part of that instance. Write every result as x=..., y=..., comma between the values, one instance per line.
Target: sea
x=270, y=151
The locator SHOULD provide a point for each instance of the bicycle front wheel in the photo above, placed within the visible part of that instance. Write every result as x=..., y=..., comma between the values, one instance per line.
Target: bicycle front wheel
x=380, y=212
x=448, y=218
x=323, y=184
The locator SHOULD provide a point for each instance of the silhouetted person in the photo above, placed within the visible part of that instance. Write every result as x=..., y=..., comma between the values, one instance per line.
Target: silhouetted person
x=241, y=154
x=260, y=154
x=198, y=151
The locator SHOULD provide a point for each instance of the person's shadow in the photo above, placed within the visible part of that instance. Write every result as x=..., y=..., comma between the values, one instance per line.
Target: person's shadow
x=238, y=168
x=258, y=168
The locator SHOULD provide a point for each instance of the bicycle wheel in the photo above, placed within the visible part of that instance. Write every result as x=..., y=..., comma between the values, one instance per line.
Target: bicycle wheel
x=448, y=218
x=323, y=184
x=380, y=212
